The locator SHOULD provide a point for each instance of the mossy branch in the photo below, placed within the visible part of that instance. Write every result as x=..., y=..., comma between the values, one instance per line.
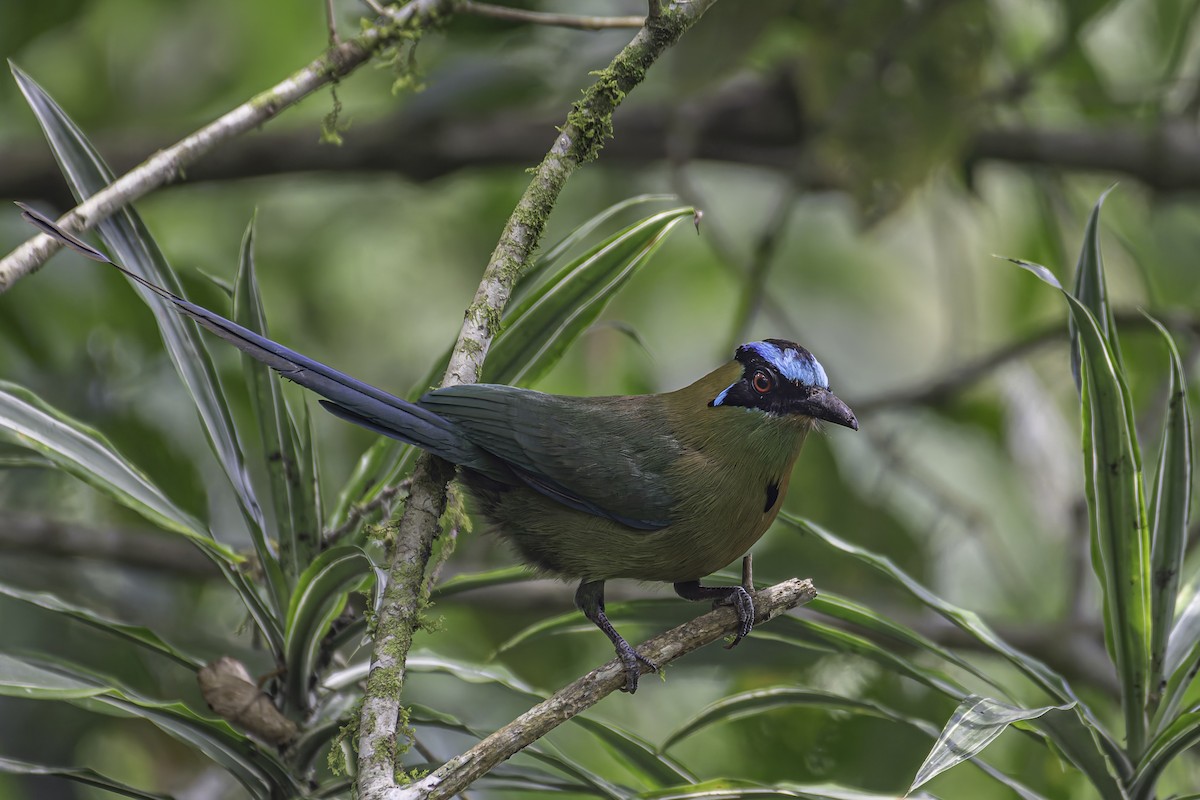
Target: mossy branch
x=580, y=139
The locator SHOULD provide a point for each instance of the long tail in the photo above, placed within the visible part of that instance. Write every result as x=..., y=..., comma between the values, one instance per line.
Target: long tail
x=346, y=397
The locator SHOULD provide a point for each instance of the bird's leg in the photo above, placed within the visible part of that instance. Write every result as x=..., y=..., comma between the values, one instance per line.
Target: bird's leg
x=589, y=597
x=735, y=596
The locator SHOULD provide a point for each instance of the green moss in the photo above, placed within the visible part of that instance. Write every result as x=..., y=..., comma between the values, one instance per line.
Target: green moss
x=331, y=125
x=346, y=739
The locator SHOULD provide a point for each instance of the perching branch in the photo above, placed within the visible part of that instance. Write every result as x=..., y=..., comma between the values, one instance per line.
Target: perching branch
x=164, y=165
x=460, y=771
x=587, y=128
x=585, y=23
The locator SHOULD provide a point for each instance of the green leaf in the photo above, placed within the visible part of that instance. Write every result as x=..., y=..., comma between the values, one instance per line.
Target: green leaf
x=562, y=247
x=541, y=750
x=481, y=580
x=126, y=234
x=259, y=773
x=534, y=335
x=1182, y=662
x=1172, y=497
x=730, y=789
x=750, y=704
x=29, y=421
x=1117, y=510
x=973, y=725
x=636, y=754
x=471, y=673
x=1092, y=291
x=759, y=701
x=1080, y=736
x=86, y=454
x=294, y=523
x=541, y=328
x=1182, y=733
x=141, y=636
x=847, y=610
x=78, y=774
x=319, y=597
x=574, y=622
x=785, y=629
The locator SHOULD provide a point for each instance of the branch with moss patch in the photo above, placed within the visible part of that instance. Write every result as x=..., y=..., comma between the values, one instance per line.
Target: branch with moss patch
x=165, y=165
x=587, y=127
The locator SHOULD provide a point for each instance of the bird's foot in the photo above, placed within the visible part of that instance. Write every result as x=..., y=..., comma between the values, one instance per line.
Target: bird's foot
x=632, y=660
x=743, y=604
x=736, y=596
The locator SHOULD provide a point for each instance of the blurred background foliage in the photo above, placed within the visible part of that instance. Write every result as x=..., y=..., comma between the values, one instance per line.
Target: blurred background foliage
x=858, y=165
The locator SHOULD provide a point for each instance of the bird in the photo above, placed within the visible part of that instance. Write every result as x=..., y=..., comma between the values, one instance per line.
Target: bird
x=666, y=487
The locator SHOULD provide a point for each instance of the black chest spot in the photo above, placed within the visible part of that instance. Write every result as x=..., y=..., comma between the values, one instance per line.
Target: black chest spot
x=772, y=495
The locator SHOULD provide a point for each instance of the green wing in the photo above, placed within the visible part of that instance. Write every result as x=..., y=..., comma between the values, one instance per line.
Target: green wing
x=605, y=455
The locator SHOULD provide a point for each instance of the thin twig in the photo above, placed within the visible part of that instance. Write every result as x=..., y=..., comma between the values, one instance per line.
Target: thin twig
x=940, y=389
x=165, y=165
x=581, y=22
x=357, y=513
x=460, y=771
x=332, y=23
x=760, y=261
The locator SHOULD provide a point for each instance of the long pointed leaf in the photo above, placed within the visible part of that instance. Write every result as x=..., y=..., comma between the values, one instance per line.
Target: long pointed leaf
x=139, y=635
x=319, y=597
x=1117, y=511
x=540, y=329
x=1081, y=737
x=1172, y=497
x=973, y=726
x=259, y=773
x=1092, y=290
x=295, y=527
x=760, y=701
x=125, y=233
x=1179, y=736
x=847, y=610
x=82, y=775
x=86, y=454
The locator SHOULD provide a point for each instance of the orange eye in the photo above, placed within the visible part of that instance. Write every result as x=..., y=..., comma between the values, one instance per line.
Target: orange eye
x=762, y=382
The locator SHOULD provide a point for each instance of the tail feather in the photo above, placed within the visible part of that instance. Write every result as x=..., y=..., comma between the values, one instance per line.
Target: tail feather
x=346, y=397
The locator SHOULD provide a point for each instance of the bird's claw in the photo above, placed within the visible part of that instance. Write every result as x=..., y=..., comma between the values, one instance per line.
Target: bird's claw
x=743, y=604
x=631, y=660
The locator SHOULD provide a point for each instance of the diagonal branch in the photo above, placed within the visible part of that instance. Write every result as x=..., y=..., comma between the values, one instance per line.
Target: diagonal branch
x=165, y=165
x=587, y=128
x=459, y=772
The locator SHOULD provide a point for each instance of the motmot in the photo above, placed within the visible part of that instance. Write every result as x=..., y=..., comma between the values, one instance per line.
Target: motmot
x=662, y=487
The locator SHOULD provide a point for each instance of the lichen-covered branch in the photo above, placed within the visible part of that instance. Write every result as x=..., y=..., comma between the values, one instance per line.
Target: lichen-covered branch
x=587, y=127
x=165, y=165
x=460, y=771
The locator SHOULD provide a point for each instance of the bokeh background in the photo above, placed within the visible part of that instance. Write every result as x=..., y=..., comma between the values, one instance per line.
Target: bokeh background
x=858, y=164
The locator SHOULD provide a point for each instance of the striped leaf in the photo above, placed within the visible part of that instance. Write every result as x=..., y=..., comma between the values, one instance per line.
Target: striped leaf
x=1116, y=509
x=127, y=237
x=974, y=725
x=295, y=526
